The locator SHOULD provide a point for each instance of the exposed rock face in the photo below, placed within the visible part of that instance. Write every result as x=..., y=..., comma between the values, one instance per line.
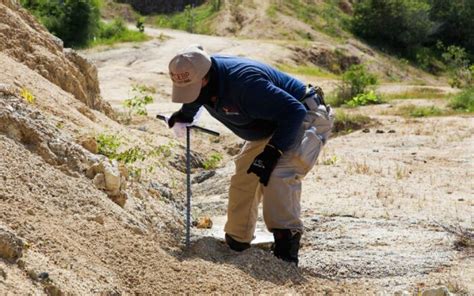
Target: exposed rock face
x=160, y=6
x=26, y=41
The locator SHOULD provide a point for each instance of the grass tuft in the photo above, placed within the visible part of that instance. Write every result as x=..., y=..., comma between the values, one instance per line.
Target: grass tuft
x=346, y=123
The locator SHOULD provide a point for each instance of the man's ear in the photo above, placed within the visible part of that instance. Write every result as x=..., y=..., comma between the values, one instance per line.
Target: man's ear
x=204, y=82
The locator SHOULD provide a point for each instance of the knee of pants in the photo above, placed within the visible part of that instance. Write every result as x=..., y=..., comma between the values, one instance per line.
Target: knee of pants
x=281, y=201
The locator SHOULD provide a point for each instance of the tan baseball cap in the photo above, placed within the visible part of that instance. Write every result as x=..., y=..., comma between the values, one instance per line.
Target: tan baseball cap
x=187, y=69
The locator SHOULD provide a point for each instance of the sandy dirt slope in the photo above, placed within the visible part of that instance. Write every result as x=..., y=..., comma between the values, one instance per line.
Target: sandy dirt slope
x=372, y=207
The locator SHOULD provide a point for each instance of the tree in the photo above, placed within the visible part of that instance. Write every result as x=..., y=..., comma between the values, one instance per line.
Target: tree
x=400, y=24
x=74, y=21
x=454, y=22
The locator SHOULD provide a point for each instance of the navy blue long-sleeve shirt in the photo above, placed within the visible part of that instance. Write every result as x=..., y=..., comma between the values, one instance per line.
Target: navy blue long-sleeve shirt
x=254, y=100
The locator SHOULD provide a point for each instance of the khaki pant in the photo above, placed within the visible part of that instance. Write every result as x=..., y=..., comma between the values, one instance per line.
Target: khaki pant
x=281, y=198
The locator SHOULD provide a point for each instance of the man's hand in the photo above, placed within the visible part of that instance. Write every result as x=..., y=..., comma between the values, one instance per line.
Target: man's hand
x=264, y=163
x=178, y=116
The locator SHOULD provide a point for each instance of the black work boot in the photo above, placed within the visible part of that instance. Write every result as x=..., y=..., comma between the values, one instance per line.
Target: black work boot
x=286, y=245
x=235, y=245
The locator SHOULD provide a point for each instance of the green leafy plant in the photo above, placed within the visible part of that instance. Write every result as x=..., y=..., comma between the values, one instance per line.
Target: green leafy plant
x=355, y=81
x=457, y=61
x=368, y=98
x=464, y=101
x=137, y=104
x=131, y=155
x=213, y=161
x=108, y=145
x=331, y=160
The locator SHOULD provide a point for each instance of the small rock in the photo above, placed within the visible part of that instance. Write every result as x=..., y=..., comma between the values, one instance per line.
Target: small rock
x=43, y=276
x=391, y=131
x=204, y=223
x=203, y=176
x=401, y=293
x=441, y=291
x=90, y=144
x=164, y=191
x=11, y=247
x=375, y=150
x=99, y=181
x=379, y=132
x=460, y=199
x=3, y=274
x=119, y=199
x=366, y=130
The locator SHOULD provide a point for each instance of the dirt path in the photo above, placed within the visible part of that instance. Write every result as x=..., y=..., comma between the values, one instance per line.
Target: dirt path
x=372, y=207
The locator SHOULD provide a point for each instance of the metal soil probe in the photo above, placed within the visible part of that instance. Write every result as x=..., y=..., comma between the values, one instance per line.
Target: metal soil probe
x=188, y=171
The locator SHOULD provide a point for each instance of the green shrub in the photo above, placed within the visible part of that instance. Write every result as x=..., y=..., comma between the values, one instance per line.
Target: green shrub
x=194, y=20
x=457, y=61
x=464, y=101
x=401, y=24
x=137, y=104
x=368, y=98
x=140, y=24
x=74, y=21
x=117, y=31
x=355, y=81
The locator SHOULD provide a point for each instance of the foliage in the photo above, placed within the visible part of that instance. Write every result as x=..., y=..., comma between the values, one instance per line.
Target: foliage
x=28, y=96
x=137, y=104
x=367, y=98
x=131, y=155
x=213, y=161
x=108, y=145
x=192, y=19
x=74, y=21
x=401, y=24
x=464, y=101
x=457, y=63
x=117, y=31
x=141, y=24
x=355, y=81
x=454, y=23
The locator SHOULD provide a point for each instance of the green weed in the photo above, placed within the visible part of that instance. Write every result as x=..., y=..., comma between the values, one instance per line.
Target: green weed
x=464, y=101
x=108, y=145
x=137, y=104
x=213, y=161
x=368, y=98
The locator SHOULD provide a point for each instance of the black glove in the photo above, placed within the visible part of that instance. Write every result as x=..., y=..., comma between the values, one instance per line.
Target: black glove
x=179, y=116
x=264, y=163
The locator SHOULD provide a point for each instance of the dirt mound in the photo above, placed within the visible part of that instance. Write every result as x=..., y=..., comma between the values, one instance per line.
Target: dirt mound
x=29, y=43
